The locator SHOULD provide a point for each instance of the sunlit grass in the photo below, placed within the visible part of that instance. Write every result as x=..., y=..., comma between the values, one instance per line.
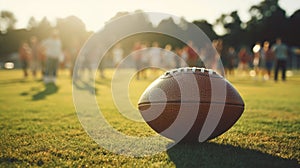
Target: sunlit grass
x=45, y=130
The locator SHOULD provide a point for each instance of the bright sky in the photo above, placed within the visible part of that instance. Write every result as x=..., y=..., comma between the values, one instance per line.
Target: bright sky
x=94, y=13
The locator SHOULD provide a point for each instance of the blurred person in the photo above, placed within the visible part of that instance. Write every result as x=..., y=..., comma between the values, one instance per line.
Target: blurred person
x=137, y=56
x=184, y=56
x=220, y=55
x=36, y=55
x=117, y=54
x=86, y=66
x=192, y=59
x=178, y=52
x=218, y=44
x=155, y=57
x=73, y=52
x=230, y=57
x=269, y=59
x=167, y=57
x=144, y=60
x=257, y=60
x=53, y=51
x=25, y=54
x=101, y=67
x=207, y=55
x=244, y=59
x=281, y=53
x=262, y=63
x=42, y=60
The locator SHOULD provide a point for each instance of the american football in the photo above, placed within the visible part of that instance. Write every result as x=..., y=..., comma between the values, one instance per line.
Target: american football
x=162, y=101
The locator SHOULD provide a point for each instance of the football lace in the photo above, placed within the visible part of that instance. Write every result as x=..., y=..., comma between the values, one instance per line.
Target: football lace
x=190, y=70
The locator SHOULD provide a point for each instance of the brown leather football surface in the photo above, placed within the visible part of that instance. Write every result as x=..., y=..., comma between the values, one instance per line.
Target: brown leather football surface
x=194, y=93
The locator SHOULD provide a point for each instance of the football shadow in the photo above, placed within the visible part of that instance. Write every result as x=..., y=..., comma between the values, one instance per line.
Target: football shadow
x=218, y=155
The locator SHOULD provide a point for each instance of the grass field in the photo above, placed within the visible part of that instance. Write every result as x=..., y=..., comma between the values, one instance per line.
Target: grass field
x=39, y=127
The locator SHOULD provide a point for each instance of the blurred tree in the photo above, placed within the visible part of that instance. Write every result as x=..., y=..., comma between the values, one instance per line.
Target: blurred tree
x=118, y=15
x=32, y=23
x=293, y=31
x=7, y=21
x=264, y=9
x=10, y=41
x=168, y=25
x=207, y=28
x=128, y=22
x=268, y=21
x=233, y=23
x=221, y=22
x=43, y=29
x=71, y=28
x=235, y=34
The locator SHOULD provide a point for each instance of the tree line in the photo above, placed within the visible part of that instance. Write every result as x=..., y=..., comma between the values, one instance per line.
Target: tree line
x=268, y=21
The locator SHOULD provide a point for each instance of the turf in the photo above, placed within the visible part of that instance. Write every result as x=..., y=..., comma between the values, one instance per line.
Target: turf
x=39, y=127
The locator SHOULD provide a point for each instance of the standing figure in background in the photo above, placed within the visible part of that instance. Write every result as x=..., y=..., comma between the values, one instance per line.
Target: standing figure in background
x=25, y=56
x=178, y=52
x=220, y=55
x=244, y=58
x=144, y=60
x=257, y=59
x=36, y=55
x=230, y=57
x=155, y=57
x=281, y=53
x=42, y=60
x=117, y=54
x=192, y=59
x=54, y=53
x=168, y=57
x=137, y=56
x=73, y=53
x=268, y=55
x=184, y=56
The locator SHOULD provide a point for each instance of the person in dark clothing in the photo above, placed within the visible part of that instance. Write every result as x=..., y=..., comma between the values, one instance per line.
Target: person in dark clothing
x=280, y=50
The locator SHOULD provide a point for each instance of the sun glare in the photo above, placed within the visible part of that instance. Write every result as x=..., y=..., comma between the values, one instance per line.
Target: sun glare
x=94, y=13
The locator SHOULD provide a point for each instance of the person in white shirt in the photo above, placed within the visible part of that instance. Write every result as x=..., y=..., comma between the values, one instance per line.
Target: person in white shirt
x=117, y=54
x=54, y=53
x=155, y=55
x=168, y=57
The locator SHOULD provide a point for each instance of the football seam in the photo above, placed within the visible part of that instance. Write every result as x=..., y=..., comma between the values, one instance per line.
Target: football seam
x=179, y=102
x=200, y=74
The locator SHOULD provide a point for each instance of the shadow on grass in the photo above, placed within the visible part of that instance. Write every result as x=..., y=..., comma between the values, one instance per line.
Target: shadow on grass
x=13, y=81
x=50, y=88
x=217, y=155
x=106, y=81
x=85, y=85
